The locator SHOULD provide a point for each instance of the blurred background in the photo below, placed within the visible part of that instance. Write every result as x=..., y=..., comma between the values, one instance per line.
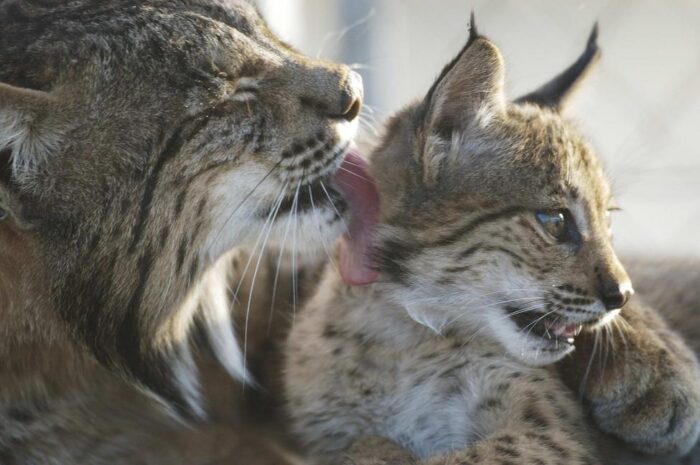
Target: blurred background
x=640, y=108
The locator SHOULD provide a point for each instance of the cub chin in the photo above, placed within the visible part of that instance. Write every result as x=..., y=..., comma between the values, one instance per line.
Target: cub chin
x=492, y=255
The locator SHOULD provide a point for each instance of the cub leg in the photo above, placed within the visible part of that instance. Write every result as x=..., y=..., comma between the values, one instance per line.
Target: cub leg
x=526, y=418
x=373, y=450
x=521, y=447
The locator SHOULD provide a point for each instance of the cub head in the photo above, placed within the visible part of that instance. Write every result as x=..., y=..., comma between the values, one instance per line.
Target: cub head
x=495, y=214
x=142, y=140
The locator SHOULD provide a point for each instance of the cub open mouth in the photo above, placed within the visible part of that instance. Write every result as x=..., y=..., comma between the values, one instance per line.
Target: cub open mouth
x=550, y=328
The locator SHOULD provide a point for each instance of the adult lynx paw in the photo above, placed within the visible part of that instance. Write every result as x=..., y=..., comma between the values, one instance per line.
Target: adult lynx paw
x=640, y=381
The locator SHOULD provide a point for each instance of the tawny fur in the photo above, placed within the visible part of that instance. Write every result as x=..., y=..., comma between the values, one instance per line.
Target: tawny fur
x=142, y=142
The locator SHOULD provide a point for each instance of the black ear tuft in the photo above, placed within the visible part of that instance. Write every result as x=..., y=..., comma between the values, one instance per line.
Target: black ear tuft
x=473, y=31
x=592, y=43
x=473, y=36
x=555, y=93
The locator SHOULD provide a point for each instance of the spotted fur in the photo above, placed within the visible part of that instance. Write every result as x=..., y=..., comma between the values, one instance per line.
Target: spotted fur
x=449, y=354
x=141, y=141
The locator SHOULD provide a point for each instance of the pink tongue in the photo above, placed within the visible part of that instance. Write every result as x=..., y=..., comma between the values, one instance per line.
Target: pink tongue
x=356, y=185
x=570, y=330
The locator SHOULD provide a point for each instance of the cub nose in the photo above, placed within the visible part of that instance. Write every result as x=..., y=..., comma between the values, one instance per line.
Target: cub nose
x=351, y=97
x=616, y=295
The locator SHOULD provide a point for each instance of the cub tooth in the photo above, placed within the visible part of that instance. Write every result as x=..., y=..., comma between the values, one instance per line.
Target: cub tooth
x=578, y=330
x=570, y=340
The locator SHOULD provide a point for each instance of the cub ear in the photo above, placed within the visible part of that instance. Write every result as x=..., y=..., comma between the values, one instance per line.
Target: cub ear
x=556, y=93
x=29, y=127
x=470, y=85
x=469, y=90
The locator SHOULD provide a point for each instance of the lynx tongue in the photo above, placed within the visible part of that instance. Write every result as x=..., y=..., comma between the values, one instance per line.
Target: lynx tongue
x=356, y=185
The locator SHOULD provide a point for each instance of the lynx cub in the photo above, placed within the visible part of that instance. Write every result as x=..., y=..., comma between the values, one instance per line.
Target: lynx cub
x=494, y=258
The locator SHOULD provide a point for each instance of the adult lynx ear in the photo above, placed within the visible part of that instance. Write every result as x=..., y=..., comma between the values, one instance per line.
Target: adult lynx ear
x=468, y=91
x=557, y=92
x=29, y=127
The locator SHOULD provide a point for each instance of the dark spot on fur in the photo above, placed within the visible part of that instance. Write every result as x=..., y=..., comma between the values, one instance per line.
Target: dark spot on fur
x=181, y=252
x=180, y=201
x=20, y=414
x=329, y=332
x=501, y=388
x=392, y=256
x=507, y=451
x=506, y=439
x=490, y=404
x=553, y=446
x=200, y=206
x=193, y=269
x=535, y=417
x=164, y=233
x=124, y=207
x=297, y=148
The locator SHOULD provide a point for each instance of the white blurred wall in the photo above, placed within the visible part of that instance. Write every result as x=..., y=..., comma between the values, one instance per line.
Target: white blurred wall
x=640, y=109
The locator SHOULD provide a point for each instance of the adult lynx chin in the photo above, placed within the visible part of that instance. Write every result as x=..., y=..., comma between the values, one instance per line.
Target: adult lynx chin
x=494, y=261
x=140, y=142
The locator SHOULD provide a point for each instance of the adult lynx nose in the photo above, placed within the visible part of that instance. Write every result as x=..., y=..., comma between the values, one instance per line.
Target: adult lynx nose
x=351, y=97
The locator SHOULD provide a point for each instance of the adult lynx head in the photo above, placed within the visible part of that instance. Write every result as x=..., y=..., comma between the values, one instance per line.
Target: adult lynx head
x=494, y=215
x=141, y=141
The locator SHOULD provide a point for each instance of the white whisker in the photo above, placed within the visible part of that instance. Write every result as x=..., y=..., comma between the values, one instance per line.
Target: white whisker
x=294, y=252
x=273, y=213
x=343, y=32
x=584, y=381
x=245, y=198
x=320, y=232
x=277, y=271
x=355, y=174
x=345, y=225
